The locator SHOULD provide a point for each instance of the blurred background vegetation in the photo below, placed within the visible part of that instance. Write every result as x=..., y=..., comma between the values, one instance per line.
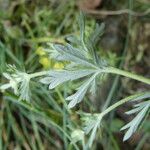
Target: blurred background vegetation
x=26, y=26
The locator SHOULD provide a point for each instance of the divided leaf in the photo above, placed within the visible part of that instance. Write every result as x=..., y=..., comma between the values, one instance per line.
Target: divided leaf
x=56, y=78
x=79, y=95
x=82, y=61
x=132, y=126
x=18, y=81
x=81, y=21
x=69, y=53
x=24, y=88
x=91, y=124
x=97, y=33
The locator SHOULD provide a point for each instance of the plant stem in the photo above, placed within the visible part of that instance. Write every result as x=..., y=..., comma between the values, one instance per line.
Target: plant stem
x=112, y=107
x=127, y=74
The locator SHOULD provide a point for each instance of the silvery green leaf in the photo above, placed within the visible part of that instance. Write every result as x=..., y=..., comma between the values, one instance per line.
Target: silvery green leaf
x=52, y=52
x=133, y=111
x=13, y=83
x=99, y=30
x=18, y=81
x=137, y=107
x=79, y=95
x=93, y=40
x=93, y=134
x=46, y=80
x=5, y=86
x=91, y=123
x=81, y=21
x=7, y=76
x=77, y=135
x=72, y=54
x=12, y=69
x=24, y=88
x=144, y=96
x=73, y=40
x=68, y=49
x=83, y=63
x=56, y=78
x=143, y=107
x=93, y=87
x=72, y=65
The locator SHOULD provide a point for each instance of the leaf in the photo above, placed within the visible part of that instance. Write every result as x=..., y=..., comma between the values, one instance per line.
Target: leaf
x=82, y=62
x=134, y=124
x=93, y=87
x=72, y=54
x=5, y=86
x=56, y=78
x=93, y=40
x=73, y=40
x=77, y=135
x=78, y=96
x=98, y=32
x=93, y=133
x=81, y=21
x=144, y=96
x=91, y=123
x=13, y=83
x=18, y=81
x=25, y=88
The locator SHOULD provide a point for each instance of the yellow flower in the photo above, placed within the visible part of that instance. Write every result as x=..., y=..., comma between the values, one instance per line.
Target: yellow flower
x=40, y=51
x=45, y=62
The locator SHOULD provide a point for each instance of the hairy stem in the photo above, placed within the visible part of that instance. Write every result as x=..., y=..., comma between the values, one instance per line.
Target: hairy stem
x=127, y=74
x=112, y=107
